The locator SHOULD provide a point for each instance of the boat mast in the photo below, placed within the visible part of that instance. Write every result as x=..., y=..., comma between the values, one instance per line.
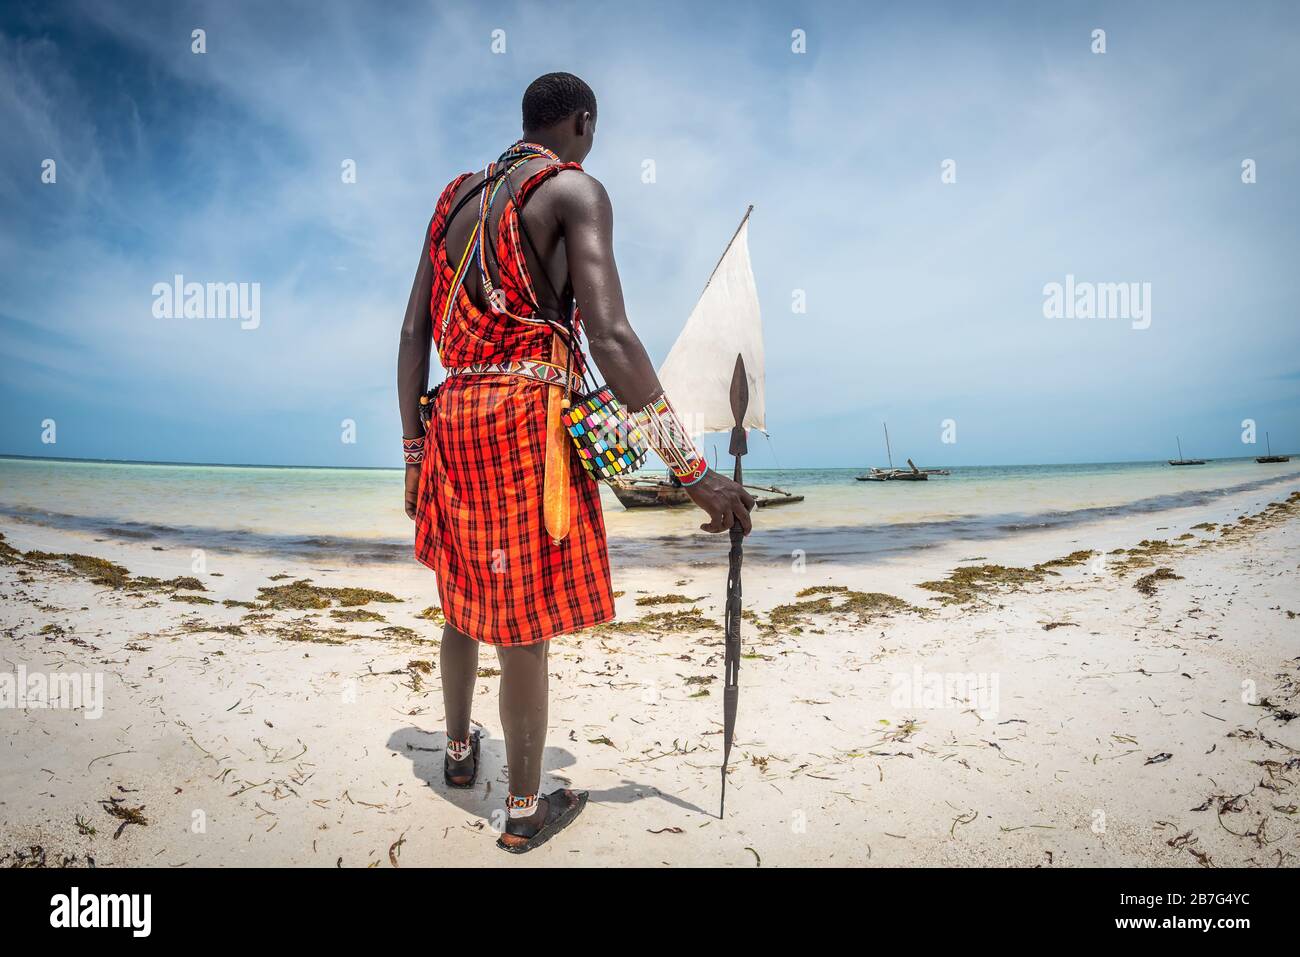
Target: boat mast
x=1269, y=444
x=1180, y=447
x=888, y=451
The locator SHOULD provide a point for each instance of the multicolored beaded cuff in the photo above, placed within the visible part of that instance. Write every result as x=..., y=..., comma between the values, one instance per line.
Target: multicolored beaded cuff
x=413, y=450
x=521, y=805
x=662, y=426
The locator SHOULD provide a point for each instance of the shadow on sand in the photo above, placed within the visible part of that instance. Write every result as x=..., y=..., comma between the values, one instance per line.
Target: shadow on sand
x=425, y=751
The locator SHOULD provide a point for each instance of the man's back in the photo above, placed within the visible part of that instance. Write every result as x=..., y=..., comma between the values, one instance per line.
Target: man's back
x=544, y=219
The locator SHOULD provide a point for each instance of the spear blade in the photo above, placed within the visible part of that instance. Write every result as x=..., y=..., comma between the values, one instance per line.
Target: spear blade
x=731, y=684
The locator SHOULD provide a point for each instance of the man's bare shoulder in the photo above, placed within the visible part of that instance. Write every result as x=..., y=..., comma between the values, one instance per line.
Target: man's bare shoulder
x=577, y=192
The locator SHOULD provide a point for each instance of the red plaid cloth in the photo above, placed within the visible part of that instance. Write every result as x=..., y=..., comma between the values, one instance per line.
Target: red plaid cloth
x=479, y=522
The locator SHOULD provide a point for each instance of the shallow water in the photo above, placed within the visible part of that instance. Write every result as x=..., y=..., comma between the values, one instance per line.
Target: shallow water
x=318, y=512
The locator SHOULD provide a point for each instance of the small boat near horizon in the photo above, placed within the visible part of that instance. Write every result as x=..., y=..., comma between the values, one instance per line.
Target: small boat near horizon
x=891, y=474
x=725, y=321
x=1182, y=461
x=1270, y=458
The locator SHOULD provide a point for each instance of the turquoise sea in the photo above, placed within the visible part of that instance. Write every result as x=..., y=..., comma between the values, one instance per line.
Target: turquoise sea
x=357, y=513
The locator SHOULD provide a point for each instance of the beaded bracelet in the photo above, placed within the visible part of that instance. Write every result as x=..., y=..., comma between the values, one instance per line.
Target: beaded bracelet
x=521, y=805
x=660, y=423
x=413, y=450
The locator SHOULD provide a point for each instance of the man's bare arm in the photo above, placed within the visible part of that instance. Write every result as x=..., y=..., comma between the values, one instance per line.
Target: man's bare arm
x=413, y=362
x=587, y=221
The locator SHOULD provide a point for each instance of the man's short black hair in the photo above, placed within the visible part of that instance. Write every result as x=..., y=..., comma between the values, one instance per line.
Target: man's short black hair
x=554, y=97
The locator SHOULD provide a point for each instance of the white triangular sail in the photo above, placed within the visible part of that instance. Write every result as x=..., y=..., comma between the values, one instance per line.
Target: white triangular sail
x=697, y=373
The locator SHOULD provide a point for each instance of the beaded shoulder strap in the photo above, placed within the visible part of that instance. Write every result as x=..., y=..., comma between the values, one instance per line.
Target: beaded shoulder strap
x=457, y=279
x=491, y=178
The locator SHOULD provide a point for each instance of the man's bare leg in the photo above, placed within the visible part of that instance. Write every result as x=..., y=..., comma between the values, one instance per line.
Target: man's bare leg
x=524, y=697
x=458, y=660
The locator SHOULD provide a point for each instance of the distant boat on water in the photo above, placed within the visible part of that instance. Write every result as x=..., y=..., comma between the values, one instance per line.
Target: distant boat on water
x=891, y=474
x=1270, y=457
x=1182, y=461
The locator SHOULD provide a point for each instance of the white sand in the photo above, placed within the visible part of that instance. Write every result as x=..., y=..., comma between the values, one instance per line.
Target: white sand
x=257, y=750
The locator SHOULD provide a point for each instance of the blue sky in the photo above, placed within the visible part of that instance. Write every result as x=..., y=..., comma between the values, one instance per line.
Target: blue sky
x=924, y=298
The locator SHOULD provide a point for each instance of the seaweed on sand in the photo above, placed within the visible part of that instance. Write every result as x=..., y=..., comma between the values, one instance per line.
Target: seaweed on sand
x=202, y=627
x=665, y=600
x=834, y=600
x=127, y=815
x=965, y=585
x=302, y=594
x=1147, y=583
x=661, y=623
x=186, y=582
x=1066, y=561
x=1272, y=514
x=821, y=590
x=8, y=554
x=699, y=682
x=34, y=856
x=691, y=619
x=100, y=571
x=434, y=614
x=304, y=630
x=901, y=734
x=356, y=614
x=1144, y=554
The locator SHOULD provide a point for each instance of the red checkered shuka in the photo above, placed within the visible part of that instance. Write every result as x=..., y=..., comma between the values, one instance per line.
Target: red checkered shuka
x=479, y=521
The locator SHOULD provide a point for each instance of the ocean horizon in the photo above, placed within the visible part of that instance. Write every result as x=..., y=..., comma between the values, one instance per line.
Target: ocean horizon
x=857, y=469
x=355, y=514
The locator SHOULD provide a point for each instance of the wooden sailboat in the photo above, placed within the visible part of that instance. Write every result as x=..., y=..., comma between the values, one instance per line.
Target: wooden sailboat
x=636, y=492
x=1182, y=461
x=725, y=322
x=1270, y=457
x=891, y=474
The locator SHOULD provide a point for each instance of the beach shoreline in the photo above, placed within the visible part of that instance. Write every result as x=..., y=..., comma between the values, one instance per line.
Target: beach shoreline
x=1095, y=721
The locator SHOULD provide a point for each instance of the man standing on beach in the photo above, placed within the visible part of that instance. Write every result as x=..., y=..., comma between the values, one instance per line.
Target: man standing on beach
x=504, y=514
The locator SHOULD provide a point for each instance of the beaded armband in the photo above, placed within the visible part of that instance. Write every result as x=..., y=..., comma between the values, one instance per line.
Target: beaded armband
x=413, y=450
x=664, y=430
